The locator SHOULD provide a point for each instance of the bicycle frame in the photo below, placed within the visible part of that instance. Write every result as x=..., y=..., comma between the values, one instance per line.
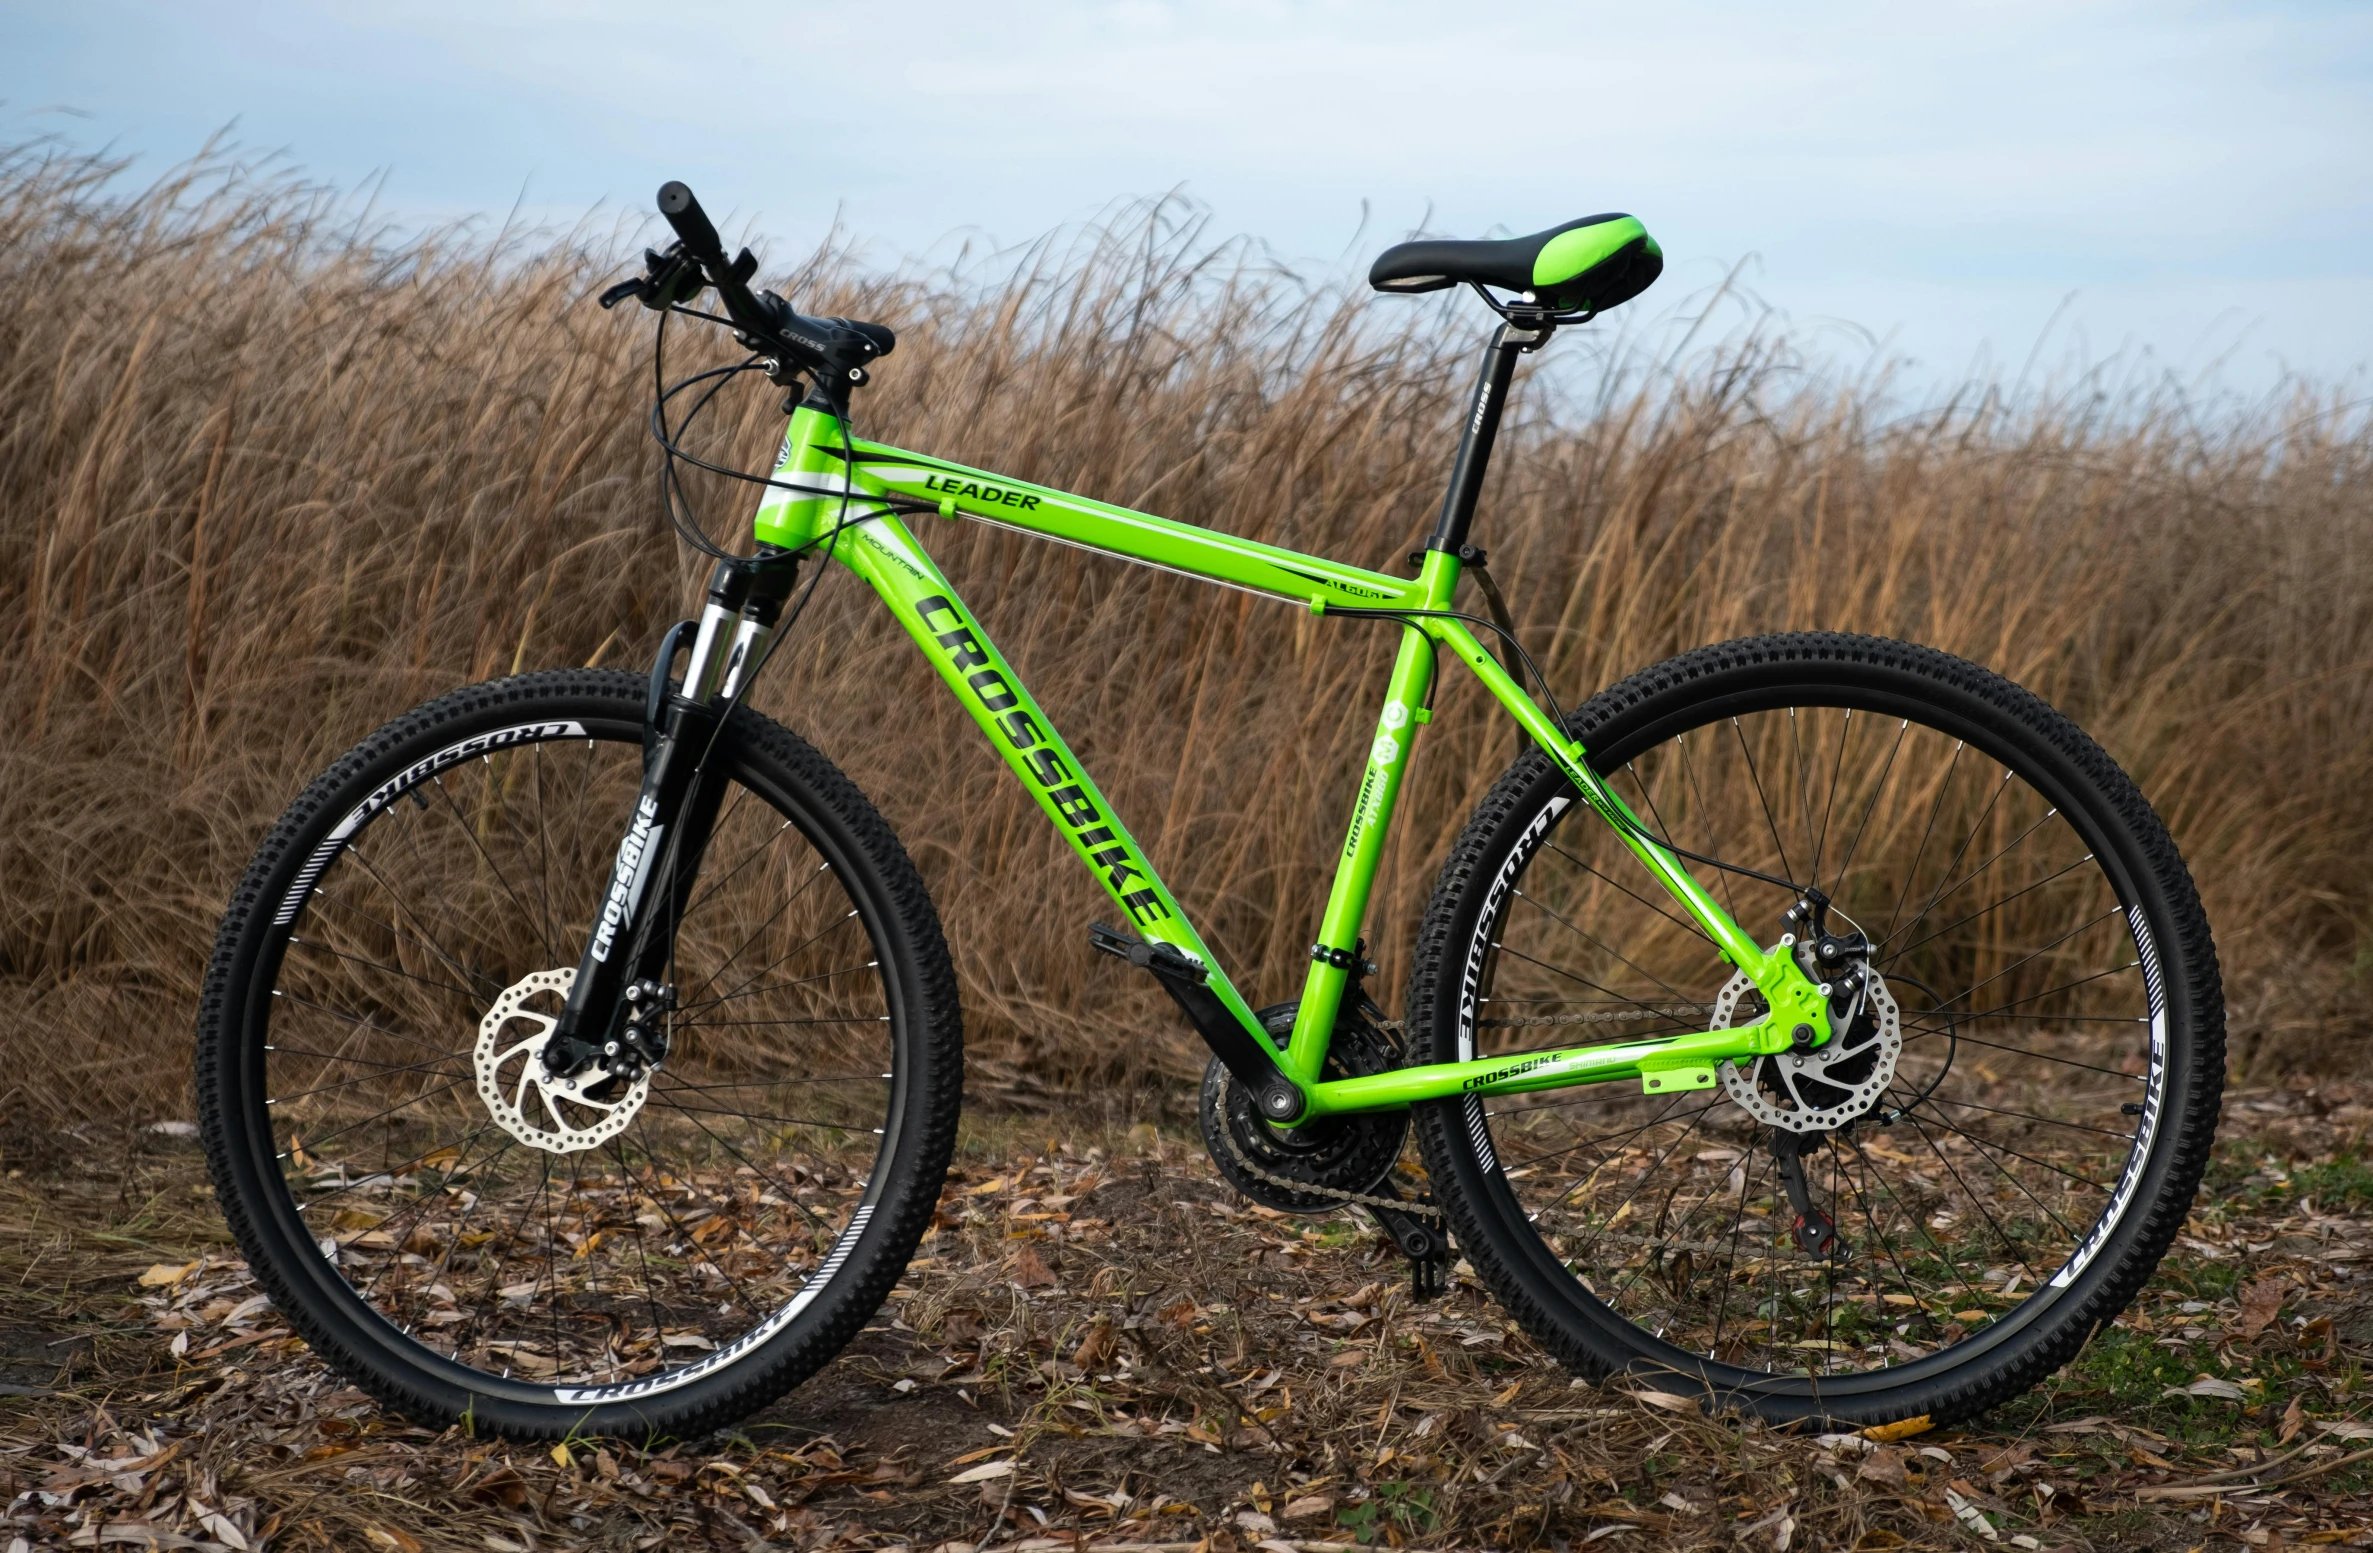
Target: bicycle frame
x=877, y=546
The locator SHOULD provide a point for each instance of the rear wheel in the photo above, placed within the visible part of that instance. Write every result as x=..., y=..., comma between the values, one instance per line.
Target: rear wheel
x=466, y=1236
x=1932, y=1213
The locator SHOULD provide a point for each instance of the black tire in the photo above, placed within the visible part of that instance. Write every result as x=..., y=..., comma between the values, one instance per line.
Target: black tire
x=714, y=1247
x=1998, y=1119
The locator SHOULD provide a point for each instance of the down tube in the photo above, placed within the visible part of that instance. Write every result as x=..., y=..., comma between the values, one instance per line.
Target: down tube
x=888, y=558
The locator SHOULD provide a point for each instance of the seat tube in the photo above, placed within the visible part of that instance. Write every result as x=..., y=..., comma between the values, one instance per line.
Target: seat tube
x=1331, y=958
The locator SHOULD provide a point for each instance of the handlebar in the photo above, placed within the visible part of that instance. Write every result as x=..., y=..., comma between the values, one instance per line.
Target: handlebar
x=833, y=349
x=692, y=224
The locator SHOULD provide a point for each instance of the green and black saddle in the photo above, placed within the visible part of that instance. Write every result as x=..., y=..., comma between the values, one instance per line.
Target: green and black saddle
x=1588, y=265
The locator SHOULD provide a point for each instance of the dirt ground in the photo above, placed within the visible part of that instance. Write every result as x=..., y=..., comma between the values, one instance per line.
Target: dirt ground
x=1104, y=1347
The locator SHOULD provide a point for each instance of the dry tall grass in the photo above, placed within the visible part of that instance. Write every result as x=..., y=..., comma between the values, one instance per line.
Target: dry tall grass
x=266, y=480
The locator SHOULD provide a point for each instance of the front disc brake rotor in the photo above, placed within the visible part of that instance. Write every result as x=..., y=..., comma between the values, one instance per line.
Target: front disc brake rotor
x=1822, y=1089
x=542, y=1109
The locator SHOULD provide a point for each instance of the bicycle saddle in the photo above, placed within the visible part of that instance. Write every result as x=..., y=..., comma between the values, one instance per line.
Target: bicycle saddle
x=1593, y=263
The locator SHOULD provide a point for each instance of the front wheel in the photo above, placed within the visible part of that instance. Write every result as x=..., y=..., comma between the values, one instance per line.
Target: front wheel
x=468, y=1236
x=1932, y=1212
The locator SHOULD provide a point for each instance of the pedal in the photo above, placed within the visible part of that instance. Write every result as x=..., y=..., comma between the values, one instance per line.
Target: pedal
x=1424, y=1246
x=1164, y=960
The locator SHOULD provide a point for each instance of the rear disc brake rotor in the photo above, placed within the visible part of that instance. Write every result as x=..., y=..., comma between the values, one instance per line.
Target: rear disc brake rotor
x=1819, y=1090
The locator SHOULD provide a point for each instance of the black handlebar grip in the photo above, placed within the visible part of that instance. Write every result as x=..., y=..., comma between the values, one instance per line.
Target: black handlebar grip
x=683, y=212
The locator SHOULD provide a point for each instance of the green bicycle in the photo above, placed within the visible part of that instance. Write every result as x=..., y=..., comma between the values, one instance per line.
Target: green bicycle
x=1819, y=1024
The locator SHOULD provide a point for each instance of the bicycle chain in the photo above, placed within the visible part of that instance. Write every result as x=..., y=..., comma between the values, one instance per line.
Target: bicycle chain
x=1422, y=1210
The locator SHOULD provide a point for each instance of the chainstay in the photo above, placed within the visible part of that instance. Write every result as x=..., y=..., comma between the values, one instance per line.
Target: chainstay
x=1422, y=1210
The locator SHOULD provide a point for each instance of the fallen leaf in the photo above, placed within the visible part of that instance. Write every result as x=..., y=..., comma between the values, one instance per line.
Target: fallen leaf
x=984, y=1472
x=1094, y=1348
x=2294, y=1418
x=1882, y=1466
x=399, y=1539
x=2261, y=1302
x=1901, y=1429
x=1308, y=1505
x=1030, y=1270
x=167, y=1272
x=1666, y=1400
x=1877, y=1540
x=2209, y=1386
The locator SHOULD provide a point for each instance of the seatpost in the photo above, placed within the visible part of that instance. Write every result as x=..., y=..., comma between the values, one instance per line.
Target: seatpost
x=1523, y=331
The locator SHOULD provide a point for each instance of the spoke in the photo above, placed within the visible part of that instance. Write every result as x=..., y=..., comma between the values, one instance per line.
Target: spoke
x=1880, y=787
x=502, y=1242
x=386, y=1067
x=392, y=970
x=308, y=1204
x=1763, y=798
x=359, y=1022
x=438, y=781
x=760, y=1116
x=1862, y=1200
x=1714, y=836
x=419, y=1207
x=749, y=1024
x=1960, y=852
x=1598, y=943
x=420, y=929
x=776, y=1083
x=749, y=857
x=1664, y=1113
x=2066, y=1062
x=1913, y=1117
x=2029, y=1116
x=777, y=986
x=1664, y=1213
x=2002, y=1010
x=654, y=1192
x=430, y=1094
x=1584, y=981
x=755, y=933
x=1944, y=786
x=1647, y=1173
x=1983, y=910
x=1730, y=1260
x=478, y=1201
x=543, y=852
x=789, y=1192
x=1978, y=1203
x=1918, y=1220
x=642, y=1257
x=1804, y=786
x=1845, y=731
x=1677, y=921
x=1605, y=1137
x=2113, y=913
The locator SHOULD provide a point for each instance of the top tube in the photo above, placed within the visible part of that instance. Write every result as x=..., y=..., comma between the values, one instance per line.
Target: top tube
x=790, y=519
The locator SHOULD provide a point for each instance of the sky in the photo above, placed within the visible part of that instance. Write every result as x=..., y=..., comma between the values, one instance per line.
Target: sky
x=1971, y=187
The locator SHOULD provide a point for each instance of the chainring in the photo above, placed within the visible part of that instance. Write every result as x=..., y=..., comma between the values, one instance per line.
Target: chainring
x=1336, y=1154
x=1819, y=1090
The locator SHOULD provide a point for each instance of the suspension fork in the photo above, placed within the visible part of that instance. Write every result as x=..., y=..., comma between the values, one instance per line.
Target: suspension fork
x=667, y=835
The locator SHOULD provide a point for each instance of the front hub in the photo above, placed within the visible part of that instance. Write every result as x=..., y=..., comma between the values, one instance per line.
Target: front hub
x=559, y=1112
